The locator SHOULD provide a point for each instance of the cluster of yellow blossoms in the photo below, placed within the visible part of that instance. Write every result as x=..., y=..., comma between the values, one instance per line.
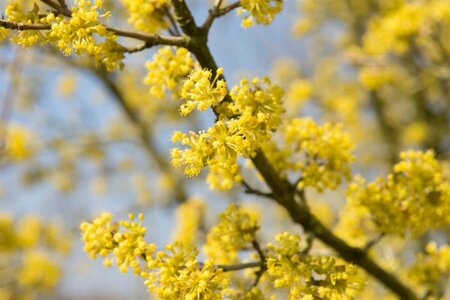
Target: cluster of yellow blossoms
x=235, y=231
x=261, y=11
x=410, y=23
x=18, y=142
x=200, y=92
x=147, y=15
x=15, y=13
x=321, y=153
x=175, y=273
x=80, y=33
x=415, y=197
x=171, y=274
x=35, y=247
x=432, y=268
x=308, y=277
x=167, y=68
x=245, y=123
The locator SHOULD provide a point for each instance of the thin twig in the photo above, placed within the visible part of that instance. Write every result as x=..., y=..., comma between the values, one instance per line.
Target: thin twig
x=250, y=190
x=217, y=12
x=262, y=257
x=373, y=242
x=237, y=267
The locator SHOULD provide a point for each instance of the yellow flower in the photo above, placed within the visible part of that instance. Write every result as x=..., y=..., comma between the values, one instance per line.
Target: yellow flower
x=235, y=230
x=39, y=271
x=200, y=92
x=147, y=15
x=261, y=11
x=18, y=142
x=167, y=68
x=415, y=197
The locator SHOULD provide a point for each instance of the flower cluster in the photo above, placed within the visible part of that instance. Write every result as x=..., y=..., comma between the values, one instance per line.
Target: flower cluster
x=3, y=33
x=410, y=22
x=176, y=274
x=308, y=277
x=147, y=15
x=259, y=106
x=81, y=32
x=261, y=11
x=35, y=246
x=15, y=12
x=235, y=230
x=298, y=93
x=431, y=267
x=415, y=197
x=127, y=247
x=166, y=69
x=200, y=92
x=172, y=274
x=321, y=153
x=18, y=143
x=245, y=123
x=39, y=271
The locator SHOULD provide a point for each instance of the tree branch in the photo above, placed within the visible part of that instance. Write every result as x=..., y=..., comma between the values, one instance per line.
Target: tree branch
x=237, y=267
x=23, y=26
x=262, y=257
x=218, y=12
x=283, y=192
x=150, y=39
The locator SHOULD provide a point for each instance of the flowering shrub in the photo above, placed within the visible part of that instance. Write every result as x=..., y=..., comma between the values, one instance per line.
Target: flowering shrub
x=378, y=88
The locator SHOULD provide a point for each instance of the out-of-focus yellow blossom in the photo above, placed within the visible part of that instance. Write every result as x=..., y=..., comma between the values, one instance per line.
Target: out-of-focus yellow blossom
x=289, y=267
x=29, y=231
x=432, y=268
x=147, y=15
x=177, y=275
x=323, y=211
x=374, y=78
x=416, y=133
x=3, y=33
x=143, y=192
x=284, y=69
x=298, y=92
x=415, y=197
x=410, y=22
x=8, y=237
x=235, y=230
x=81, y=33
x=356, y=225
x=167, y=68
x=347, y=12
x=67, y=85
x=124, y=241
x=261, y=11
x=189, y=219
x=30, y=250
x=18, y=143
x=39, y=271
x=99, y=185
x=200, y=92
x=326, y=150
